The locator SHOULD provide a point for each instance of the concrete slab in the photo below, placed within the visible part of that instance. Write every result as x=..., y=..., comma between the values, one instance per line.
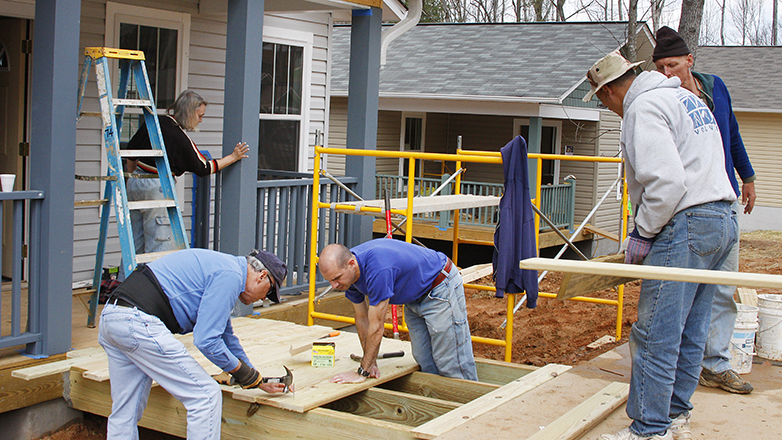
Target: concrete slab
x=718, y=415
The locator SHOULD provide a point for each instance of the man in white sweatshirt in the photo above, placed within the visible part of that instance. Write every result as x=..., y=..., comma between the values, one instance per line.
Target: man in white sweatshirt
x=676, y=179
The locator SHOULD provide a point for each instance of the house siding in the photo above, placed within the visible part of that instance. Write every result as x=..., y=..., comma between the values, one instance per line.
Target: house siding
x=762, y=135
x=608, y=216
x=206, y=67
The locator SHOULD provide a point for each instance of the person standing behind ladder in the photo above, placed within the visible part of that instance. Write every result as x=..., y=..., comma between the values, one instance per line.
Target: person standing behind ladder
x=673, y=58
x=151, y=227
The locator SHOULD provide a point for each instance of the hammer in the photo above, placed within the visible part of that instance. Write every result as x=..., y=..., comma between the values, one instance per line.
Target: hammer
x=392, y=354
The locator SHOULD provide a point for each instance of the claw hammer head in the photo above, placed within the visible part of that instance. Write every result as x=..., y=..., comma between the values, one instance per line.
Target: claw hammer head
x=286, y=380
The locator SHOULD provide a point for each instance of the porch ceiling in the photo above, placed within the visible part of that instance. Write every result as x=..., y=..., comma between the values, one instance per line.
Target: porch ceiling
x=318, y=5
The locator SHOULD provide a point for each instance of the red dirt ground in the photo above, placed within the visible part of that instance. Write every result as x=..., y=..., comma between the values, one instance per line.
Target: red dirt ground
x=554, y=332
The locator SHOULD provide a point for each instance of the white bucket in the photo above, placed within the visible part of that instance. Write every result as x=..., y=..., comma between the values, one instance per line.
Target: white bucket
x=742, y=343
x=769, y=341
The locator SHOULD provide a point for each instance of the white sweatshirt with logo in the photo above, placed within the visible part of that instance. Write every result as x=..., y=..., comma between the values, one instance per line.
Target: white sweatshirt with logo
x=673, y=152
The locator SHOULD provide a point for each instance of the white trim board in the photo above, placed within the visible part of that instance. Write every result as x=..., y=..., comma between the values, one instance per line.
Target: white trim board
x=743, y=279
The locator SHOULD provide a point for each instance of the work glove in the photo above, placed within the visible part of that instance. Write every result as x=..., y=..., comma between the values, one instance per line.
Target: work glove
x=224, y=378
x=637, y=248
x=246, y=376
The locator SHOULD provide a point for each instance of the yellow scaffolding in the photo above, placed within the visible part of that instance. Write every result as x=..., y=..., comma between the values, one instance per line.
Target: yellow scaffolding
x=458, y=158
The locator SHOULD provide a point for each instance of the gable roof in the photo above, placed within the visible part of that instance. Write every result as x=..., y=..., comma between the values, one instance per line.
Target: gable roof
x=755, y=84
x=532, y=62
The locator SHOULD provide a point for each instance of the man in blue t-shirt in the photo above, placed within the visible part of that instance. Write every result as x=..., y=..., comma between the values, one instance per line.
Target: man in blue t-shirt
x=384, y=271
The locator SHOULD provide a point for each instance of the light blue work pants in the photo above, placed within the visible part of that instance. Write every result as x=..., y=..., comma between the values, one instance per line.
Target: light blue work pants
x=667, y=341
x=439, y=332
x=716, y=356
x=140, y=349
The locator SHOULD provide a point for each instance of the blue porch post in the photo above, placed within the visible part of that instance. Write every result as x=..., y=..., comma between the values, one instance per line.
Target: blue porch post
x=240, y=123
x=363, y=92
x=53, y=163
x=533, y=146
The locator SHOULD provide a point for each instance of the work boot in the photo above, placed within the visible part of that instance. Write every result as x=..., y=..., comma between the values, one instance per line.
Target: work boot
x=626, y=434
x=680, y=427
x=728, y=380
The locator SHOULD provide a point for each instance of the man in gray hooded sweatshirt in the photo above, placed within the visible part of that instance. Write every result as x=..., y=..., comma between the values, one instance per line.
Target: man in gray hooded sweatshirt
x=675, y=167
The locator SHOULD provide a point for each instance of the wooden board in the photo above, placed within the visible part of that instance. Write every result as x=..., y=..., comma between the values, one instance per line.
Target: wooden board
x=422, y=204
x=579, y=284
x=487, y=402
x=747, y=297
x=746, y=279
x=579, y=420
x=476, y=272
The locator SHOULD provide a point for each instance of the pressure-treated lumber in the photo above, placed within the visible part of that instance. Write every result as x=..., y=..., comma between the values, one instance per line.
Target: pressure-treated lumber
x=438, y=387
x=499, y=372
x=580, y=284
x=747, y=279
x=600, y=231
x=421, y=204
x=166, y=414
x=488, y=402
x=17, y=393
x=586, y=415
x=393, y=406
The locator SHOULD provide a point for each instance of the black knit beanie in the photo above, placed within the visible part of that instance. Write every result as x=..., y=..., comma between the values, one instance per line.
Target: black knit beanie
x=669, y=44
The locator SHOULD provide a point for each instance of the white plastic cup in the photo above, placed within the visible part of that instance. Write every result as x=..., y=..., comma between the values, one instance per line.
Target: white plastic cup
x=7, y=182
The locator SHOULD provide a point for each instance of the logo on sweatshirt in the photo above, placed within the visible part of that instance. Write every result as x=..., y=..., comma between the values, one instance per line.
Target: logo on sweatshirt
x=702, y=118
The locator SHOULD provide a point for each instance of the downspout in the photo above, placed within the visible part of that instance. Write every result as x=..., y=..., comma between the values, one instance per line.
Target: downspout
x=413, y=17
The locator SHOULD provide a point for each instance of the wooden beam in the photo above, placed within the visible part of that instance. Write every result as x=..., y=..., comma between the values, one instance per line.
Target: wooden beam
x=579, y=420
x=600, y=231
x=499, y=372
x=438, y=387
x=579, y=284
x=487, y=402
x=746, y=279
x=166, y=414
x=393, y=406
x=420, y=204
x=476, y=272
x=747, y=297
x=18, y=393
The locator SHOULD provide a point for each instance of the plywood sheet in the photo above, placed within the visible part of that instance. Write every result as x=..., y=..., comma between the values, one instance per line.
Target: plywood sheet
x=423, y=204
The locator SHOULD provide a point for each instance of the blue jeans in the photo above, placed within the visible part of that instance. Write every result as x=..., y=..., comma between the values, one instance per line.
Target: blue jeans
x=439, y=332
x=667, y=341
x=140, y=349
x=151, y=227
x=716, y=356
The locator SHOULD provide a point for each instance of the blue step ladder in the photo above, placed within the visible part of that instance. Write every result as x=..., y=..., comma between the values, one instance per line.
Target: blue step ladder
x=131, y=62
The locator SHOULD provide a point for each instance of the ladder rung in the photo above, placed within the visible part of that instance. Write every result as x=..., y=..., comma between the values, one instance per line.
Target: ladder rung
x=147, y=204
x=84, y=203
x=91, y=114
x=133, y=102
x=152, y=256
x=141, y=153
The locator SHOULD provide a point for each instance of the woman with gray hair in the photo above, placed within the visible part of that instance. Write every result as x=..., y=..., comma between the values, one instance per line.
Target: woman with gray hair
x=151, y=227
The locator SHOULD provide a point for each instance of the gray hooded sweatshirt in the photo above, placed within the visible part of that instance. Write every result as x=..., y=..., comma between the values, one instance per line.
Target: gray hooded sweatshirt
x=673, y=152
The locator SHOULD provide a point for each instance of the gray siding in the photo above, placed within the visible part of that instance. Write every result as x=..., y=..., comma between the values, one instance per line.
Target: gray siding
x=609, y=215
x=206, y=67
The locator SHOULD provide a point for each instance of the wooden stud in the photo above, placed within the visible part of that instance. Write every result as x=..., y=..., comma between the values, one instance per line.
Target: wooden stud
x=438, y=387
x=499, y=372
x=579, y=420
x=579, y=284
x=393, y=406
x=747, y=297
x=487, y=402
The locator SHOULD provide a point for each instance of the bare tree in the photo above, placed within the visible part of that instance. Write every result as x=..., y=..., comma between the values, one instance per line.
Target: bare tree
x=656, y=7
x=745, y=16
x=774, y=24
x=690, y=23
x=632, y=26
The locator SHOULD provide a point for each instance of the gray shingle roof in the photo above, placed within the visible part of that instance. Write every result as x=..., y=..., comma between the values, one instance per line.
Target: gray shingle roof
x=753, y=74
x=526, y=60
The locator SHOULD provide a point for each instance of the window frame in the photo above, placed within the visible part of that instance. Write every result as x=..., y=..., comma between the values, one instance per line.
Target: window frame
x=403, y=134
x=304, y=40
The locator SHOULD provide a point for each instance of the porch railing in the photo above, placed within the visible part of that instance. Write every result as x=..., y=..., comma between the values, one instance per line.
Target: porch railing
x=284, y=201
x=557, y=201
x=23, y=307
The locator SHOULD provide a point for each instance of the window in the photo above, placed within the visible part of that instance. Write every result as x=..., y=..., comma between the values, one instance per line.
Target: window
x=412, y=139
x=163, y=36
x=4, y=66
x=549, y=144
x=281, y=115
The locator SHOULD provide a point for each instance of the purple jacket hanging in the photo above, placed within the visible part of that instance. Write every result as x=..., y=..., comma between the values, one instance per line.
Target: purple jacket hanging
x=514, y=238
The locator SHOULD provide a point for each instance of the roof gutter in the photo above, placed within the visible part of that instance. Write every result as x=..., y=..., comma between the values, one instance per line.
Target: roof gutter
x=415, y=8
